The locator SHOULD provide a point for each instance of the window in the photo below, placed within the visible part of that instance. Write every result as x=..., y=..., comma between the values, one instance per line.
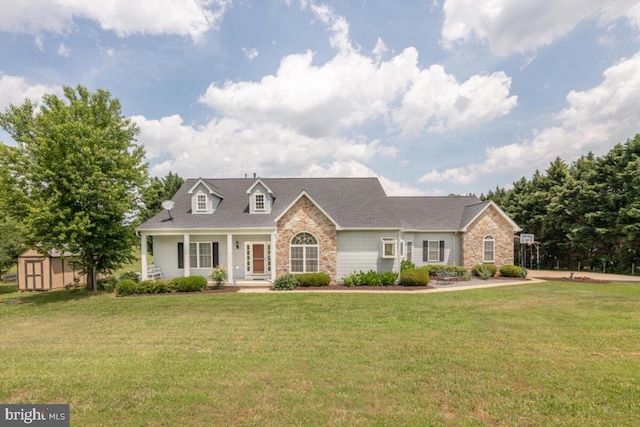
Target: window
x=388, y=247
x=258, y=200
x=201, y=255
x=304, y=253
x=401, y=248
x=488, y=249
x=433, y=251
x=409, y=251
x=201, y=202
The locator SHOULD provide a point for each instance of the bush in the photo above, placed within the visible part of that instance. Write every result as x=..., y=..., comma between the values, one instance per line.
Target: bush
x=370, y=278
x=107, y=284
x=219, y=275
x=287, y=282
x=415, y=277
x=313, y=279
x=131, y=275
x=125, y=287
x=513, y=271
x=188, y=284
x=388, y=278
x=452, y=270
x=405, y=264
x=482, y=270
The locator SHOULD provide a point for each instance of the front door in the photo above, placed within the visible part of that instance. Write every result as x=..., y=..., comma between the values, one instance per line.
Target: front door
x=258, y=258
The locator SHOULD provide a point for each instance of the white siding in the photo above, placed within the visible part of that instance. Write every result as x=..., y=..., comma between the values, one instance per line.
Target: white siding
x=360, y=250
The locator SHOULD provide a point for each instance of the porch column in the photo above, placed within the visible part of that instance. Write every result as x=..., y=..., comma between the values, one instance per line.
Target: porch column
x=273, y=255
x=187, y=256
x=143, y=256
x=229, y=258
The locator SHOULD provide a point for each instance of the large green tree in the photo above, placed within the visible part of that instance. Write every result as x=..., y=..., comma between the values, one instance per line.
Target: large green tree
x=11, y=242
x=74, y=178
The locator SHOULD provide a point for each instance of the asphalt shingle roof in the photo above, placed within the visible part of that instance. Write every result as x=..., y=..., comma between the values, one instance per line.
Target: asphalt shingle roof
x=351, y=202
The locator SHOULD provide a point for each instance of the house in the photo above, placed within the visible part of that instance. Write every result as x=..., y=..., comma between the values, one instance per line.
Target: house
x=262, y=228
x=38, y=272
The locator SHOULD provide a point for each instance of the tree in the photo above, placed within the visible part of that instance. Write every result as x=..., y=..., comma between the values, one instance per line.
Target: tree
x=158, y=190
x=74, y=178
x=11, y=243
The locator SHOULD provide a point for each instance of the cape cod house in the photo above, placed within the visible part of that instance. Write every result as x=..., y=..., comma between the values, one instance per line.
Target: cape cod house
x=262, y=228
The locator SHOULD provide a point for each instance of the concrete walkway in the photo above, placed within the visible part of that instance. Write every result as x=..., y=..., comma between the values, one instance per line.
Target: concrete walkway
x=534, y=276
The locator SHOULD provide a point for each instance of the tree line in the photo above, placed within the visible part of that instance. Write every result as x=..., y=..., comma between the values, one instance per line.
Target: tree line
x=585, y=215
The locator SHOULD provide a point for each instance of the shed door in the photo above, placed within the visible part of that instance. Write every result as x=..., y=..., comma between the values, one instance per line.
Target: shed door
x=34, y=275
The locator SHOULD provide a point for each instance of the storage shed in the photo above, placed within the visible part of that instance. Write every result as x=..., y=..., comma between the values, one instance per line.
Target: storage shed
x=38, y=272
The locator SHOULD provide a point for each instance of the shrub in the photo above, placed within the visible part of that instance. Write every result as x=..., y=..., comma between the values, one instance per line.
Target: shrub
x=513, y=271
x=313, y=279
x=188, y=284
x=287, y=282
x=125, y=287
x=415, y=277
x=131, y=275
x=370, y=278
x=484, y=269
x=452, y=270
x=388, y=278
x=107, y=284
x=405, y=264
x=219, y=275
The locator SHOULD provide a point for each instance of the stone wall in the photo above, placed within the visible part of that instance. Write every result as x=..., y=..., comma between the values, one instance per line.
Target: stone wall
x=305, y=216
x=490, y=223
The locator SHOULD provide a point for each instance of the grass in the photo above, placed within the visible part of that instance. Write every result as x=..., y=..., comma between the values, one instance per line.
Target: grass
x=540, y=354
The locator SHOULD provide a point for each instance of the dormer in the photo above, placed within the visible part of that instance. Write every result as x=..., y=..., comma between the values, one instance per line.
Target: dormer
x=260, y=198
x=204, y=198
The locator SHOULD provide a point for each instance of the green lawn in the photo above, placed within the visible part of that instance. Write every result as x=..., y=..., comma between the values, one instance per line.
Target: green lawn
x=539, y=354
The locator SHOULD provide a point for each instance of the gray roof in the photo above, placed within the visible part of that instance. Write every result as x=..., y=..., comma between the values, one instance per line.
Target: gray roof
x=435, y=213
x=350, y=202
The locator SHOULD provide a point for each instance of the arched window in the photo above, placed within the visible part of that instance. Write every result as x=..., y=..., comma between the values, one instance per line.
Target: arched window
x=304, y=253
x=488, y=249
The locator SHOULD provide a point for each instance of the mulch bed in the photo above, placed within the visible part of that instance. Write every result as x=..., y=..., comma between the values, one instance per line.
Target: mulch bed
x=363, y=288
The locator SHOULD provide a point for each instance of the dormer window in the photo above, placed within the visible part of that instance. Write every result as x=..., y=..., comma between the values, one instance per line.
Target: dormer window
x=258, y=203
x=201, y=203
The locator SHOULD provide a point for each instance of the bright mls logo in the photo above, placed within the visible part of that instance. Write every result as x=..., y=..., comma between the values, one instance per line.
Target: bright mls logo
x=53, y=415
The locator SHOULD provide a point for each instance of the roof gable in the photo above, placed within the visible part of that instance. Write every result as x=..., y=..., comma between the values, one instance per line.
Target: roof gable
x=474, y=212
x=302, y=194
x=207, y=186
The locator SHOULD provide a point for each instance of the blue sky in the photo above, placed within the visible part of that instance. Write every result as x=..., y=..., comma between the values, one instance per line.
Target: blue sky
x=434, y=97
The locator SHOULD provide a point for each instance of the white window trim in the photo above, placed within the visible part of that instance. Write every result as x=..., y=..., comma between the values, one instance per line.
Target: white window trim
x=255, y=202
x=304, y=255
x=197, y=254
x=437, y=251
x=384, y=242
x=402, y=248
x=198, y=196
x=491, y=239
x=409, y=253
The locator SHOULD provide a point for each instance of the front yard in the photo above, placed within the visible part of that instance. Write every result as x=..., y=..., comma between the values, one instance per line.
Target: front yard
x=535, y=354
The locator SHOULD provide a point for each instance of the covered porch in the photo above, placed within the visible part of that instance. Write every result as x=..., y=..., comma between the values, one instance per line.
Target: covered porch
x=248, y=255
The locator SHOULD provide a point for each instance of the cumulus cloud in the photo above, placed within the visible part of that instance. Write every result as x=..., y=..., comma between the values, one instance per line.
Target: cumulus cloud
x=593, y=120
x=14, y=90
x=191, y=18
x=251, y=54
x=63, y=50
x=521, y=26
x=437, y=101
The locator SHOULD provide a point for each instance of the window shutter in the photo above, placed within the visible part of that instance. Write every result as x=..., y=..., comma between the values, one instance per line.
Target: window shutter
x=441, y=250
x=216, y=258
x=180, y=255
x=425, y=250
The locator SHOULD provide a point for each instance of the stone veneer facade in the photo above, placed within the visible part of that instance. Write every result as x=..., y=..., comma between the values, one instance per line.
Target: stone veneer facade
x=490, y=223
x=304, y=216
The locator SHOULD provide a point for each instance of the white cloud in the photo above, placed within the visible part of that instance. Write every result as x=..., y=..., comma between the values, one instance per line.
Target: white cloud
x=521, y=26
x=190, y=18
x=39, y=41
x=438, y=102
x=251, y=54
x=594, y=120
x=14, y=90
x=379, y=50
x=63, y=50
